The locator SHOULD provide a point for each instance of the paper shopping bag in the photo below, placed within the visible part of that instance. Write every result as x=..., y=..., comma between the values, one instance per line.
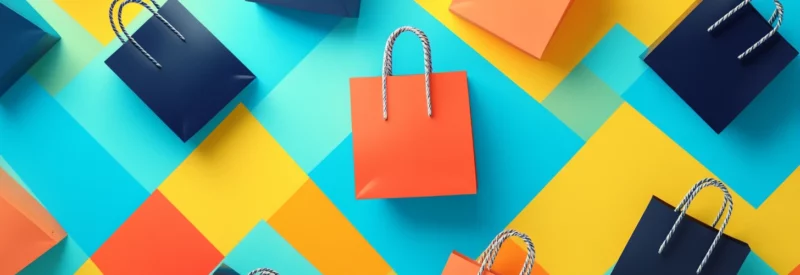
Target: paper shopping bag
x=26, y=229
x=720, y=57
x=526, y=24
x=412, y=134
x=177, y=67
x=514, y=260
x=663, y=245
x=796, y=271
x=345, y=8
x=22, y=43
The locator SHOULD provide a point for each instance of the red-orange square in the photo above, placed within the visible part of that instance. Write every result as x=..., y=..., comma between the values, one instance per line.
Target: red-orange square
x=157, y=239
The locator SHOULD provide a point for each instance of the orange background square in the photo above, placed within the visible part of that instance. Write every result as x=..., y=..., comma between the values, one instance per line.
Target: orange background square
x=157, y=239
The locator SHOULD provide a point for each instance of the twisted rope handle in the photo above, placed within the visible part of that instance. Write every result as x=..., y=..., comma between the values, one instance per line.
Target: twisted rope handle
x=387, y=63
x=125, y=31
x=687, y=197
x=776, y=18
x=684, y=206
x=488, y=256
x=111, y=17
x=263, y=271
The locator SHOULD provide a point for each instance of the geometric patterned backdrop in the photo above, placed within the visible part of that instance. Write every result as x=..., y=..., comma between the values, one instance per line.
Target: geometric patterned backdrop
x=568, y=149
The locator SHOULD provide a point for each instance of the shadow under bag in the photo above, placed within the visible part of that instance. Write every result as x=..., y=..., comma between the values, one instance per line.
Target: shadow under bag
x=177, y=67
x=663, y=245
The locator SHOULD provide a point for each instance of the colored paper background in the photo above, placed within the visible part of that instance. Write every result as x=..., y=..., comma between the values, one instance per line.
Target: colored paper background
x=569, y=148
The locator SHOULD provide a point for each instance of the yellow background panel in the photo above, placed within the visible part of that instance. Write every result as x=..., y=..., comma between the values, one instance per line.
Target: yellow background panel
x=89, y=268
x=778, y=227
x=93, y=16
x=316, y=228
x=596, y=200
x=584, y=24
x=237, y=176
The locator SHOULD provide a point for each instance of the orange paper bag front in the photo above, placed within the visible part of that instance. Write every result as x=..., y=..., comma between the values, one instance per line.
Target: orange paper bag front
x=510, y=260
x=26, y=229
x=412, y=135
x=796, y=271
x=526, y=24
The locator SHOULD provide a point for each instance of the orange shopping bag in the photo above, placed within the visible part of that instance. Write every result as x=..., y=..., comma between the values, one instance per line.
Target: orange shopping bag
x=26, y=229
x=408, y=148
x=525, y=24
x=796, y=271
x=490, y=264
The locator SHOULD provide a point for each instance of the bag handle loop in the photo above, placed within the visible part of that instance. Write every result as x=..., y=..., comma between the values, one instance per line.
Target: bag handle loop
x=125, y=31
x=684, y=206
x=111, y=16
x=488, y=256
x=776, y=18
x=263, y=271
x=387, y=63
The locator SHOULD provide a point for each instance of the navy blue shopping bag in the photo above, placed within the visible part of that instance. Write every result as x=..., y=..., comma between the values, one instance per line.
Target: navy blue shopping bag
x=345, y=8
x=718, y=72
x=22, y=43
x=663, y=245
x=177, y=67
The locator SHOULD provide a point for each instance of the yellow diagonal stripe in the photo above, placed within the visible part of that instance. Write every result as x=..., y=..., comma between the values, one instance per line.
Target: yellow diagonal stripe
x=237, y=176
x=88, y=268
x=582, y=220
x=315, y=227
x=93, y=16
x=584, y=24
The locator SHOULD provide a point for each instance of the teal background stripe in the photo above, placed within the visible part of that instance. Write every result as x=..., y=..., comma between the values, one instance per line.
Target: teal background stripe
x=81, y=185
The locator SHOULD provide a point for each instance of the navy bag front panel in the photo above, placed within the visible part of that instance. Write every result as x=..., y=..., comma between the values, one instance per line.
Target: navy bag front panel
x=683, y=254
x=22, y=43
x=345, y=8
x=197, y=78
x=703, y=67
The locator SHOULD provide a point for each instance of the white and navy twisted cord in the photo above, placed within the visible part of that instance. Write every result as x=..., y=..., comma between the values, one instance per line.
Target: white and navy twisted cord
x=387, y=64
x=725, y=200
x=488, y=256
x=125, y=31
x=777, y=18
x=684, y=206
x=111, y=17
x=263, y=271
